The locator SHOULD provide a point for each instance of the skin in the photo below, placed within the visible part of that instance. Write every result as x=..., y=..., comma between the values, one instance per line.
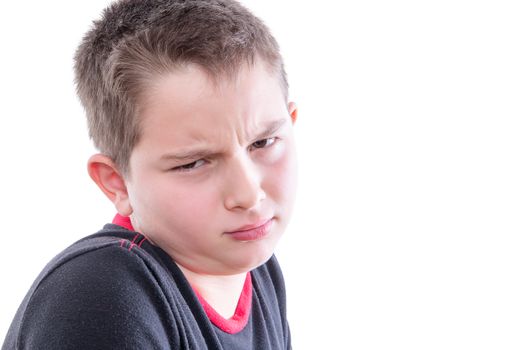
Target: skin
x=187, y=206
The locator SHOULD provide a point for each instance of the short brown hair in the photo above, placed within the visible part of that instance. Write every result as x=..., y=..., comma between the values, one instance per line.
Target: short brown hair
x=136, y=40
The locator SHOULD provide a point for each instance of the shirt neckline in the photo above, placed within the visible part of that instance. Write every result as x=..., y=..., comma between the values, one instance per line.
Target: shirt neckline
x=231, y=325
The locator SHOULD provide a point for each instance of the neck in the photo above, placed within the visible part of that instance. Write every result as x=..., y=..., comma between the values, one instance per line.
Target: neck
x=220, y=292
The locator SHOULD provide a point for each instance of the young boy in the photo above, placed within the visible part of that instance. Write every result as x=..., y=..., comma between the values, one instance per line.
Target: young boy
x=187, y=103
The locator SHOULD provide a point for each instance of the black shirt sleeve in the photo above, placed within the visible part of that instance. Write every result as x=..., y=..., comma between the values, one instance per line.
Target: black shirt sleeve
x=102, y=299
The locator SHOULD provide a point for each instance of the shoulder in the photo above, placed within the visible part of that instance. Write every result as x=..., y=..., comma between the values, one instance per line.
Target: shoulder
x=270, y=275
x=268, y=283
x=103, y=291
x=109, y=263
x=270, y=301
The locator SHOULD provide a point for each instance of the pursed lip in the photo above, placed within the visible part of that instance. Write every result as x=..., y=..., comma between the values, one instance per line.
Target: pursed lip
x=254, y=232
x=249, y=227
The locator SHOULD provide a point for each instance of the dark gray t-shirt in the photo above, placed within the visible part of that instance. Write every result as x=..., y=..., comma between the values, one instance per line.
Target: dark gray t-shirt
x=106, y=292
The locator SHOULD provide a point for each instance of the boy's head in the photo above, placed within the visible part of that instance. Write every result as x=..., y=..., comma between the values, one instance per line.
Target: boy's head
x=187, y=100
x=137, y=41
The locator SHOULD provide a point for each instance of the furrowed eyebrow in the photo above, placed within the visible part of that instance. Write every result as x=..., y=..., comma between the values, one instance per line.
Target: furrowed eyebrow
x=271, y=129
x=203, y=153
x=190, y=155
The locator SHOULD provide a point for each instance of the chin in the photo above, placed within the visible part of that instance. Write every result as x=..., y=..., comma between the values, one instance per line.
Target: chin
x=252, y=259
x=245, y=256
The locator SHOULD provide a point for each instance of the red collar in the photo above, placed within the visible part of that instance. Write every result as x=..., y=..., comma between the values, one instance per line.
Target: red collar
x=231, y=325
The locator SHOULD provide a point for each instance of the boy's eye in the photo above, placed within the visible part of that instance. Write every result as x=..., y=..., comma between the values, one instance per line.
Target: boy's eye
x=263, y=143
x=190, y=166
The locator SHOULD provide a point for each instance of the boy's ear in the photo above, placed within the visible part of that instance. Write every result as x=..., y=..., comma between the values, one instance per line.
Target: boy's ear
x=106, y=175
x=292, y=110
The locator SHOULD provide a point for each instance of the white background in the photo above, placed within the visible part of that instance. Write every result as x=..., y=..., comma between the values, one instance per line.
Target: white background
x=409, y=227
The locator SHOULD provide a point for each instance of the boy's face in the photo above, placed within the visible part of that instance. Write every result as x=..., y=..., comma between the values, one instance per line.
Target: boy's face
x=213, y=159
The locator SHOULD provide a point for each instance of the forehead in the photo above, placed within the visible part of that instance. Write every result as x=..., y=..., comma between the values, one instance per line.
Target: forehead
x=188, y=106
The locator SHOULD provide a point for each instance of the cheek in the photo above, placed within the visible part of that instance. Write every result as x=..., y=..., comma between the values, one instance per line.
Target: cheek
x=185, y=200
x=174, y=204
x=281, y=175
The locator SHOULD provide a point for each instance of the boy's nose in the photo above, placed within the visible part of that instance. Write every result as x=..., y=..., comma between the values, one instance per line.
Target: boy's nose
x=243, y=185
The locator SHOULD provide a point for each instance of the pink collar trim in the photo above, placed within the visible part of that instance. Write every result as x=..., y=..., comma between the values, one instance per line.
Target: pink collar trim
x=123, y=221
x=238, y=321
x=231, y=325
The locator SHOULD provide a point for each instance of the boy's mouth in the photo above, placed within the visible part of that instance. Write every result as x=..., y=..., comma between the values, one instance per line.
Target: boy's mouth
x=252, y=232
